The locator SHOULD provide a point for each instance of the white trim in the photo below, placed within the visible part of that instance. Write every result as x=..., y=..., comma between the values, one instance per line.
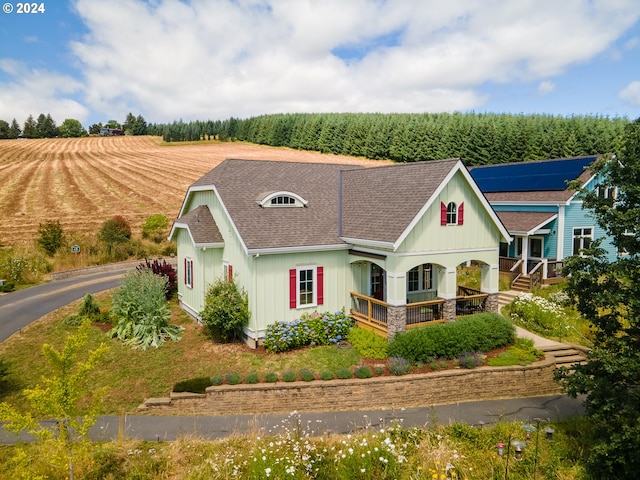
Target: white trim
x=573, y=237
x=539, y=226
x=560, y=233
x=368, y=243
x=442, y=252
x=302, y=249
x=314, y=292
x=266, y=199
x=185, y=226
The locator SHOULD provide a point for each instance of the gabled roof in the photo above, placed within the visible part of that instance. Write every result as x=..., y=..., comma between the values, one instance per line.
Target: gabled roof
x=539, y=181
x=238, y=183
x=525, y=223
x=201, y=227
x=378, y=204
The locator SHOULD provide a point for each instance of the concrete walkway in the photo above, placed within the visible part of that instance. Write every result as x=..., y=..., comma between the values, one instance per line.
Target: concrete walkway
x=539, y=342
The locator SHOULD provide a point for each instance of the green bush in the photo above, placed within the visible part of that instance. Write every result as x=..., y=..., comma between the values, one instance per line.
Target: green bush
x=307, y=375
x=140, y=308
x=271, y=377
x=226, y=311
x=233, y=378
x=537, y=314
x=363, y=371
x=216, y=380
x=344, y=373
x=51, y=237
x=7, y=287
x=368, y=343
x=326, y=375
x=252, y=377
x=522, y=353
x=476, y=333
x=155, y=227
x=193, y=385
x=379, y=369
x=289, y=376
x=399, y=366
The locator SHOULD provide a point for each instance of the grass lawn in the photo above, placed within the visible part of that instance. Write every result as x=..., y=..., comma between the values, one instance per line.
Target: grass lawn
x=134, y=375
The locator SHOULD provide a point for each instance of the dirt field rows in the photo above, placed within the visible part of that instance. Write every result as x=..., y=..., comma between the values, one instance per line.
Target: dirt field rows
x=82, y=182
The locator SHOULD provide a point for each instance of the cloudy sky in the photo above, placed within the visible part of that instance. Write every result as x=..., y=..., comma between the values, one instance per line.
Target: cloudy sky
x=96, y=60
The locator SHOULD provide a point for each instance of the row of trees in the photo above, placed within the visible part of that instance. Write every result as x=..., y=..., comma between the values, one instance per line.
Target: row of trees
x=44, y=127
x=476, y=138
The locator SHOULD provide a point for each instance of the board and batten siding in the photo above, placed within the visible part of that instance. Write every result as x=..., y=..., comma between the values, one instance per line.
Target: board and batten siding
x=269, y=295
x=478, y=231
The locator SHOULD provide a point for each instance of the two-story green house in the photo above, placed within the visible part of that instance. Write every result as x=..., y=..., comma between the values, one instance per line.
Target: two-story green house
x=383, y=242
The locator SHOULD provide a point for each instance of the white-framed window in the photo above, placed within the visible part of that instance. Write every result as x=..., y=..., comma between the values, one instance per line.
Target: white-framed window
x=306, y=286
x=420, y=278
x=188, y=272
x=607, y=192
x=536, y=245
x=582, y=238
x=452, y=213
x=227, y=271
x=281, y=199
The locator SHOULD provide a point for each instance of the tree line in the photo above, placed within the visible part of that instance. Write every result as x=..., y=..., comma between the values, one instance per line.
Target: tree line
x=45, y=127
x=476, y=138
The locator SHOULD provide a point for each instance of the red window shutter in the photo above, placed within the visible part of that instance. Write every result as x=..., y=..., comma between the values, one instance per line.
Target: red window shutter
x=443, y=214
x=320, y=275
x=292, y=288
x=230, y=274
x=461, y=214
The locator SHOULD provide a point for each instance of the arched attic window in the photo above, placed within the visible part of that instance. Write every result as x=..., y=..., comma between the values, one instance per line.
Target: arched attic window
x=281, y=199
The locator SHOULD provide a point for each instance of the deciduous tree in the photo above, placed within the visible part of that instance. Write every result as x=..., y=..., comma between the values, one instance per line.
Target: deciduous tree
x=608, y=295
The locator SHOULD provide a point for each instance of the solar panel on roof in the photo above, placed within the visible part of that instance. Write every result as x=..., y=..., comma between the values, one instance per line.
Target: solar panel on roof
x=530, y=176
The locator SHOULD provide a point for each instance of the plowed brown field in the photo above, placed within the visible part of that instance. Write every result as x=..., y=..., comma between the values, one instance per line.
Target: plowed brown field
x=84, y=181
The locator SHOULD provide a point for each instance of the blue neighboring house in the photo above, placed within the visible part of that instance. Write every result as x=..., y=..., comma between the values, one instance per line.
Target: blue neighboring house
x=543, y=216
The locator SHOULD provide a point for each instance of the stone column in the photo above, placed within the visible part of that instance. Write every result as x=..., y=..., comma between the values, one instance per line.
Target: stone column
x=396, y=320
x=491, y=304
x=449, y=310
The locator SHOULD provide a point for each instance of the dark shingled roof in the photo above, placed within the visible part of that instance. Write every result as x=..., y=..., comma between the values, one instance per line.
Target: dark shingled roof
x=380, y=202
x=524, y=221
x=202, y=226
x=241, y=182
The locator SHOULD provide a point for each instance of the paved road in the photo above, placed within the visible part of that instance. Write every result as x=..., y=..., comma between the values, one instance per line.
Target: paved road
x=19, y=309
x=168, y=428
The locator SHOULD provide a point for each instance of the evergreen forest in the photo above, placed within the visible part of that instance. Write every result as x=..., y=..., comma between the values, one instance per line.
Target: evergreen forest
x=478, y=139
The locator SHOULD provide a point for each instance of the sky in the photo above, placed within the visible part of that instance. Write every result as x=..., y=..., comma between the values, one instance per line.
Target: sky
x=96, y=60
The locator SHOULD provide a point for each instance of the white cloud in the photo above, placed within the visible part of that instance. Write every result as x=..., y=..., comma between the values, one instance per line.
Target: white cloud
x=172, y=59
x=631, y=94
x=33, y=92
x=546, y=87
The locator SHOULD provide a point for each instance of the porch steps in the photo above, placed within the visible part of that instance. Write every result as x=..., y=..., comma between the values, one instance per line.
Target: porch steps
x=564, y=355
x=506, y=297
x=521, y=284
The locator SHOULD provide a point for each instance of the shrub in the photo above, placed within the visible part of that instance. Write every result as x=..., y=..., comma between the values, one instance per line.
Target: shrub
x=399, y=366
x=233, y=378
x=51, y=237
x=271, y=377
x=115, y=230
x=252, y=377
x=88, y=309
x=155, y=227
x=326, y=375
x=165, y=270
x=289, y=376
x=226, y=311
x=307, y=375
x=216, y=380
x=311, y=329
x=344, y=373
x=476, y=333
x=193, y=385
x=368, y=343
x=140, y=307
x=537, y=314
x=469, y=360
x=363, y=371
x=522, y=353
x=379, y=369
x=7, y=287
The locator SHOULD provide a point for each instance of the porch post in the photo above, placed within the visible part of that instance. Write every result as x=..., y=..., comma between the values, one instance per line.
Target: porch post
x=525, y=255
x=490, y=284
x=447, y=289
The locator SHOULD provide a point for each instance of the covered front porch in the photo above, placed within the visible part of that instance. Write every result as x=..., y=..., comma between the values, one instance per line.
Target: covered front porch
x=388, y=302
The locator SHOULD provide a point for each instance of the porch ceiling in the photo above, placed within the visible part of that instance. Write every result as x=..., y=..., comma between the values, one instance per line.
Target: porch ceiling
x=528, y=222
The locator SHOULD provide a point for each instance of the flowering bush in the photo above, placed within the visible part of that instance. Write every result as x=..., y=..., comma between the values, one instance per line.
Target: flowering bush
x=537, y=314
x=311, y=329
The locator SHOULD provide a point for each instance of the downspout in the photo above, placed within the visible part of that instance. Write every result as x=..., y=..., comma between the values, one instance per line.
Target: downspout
x=340, y=204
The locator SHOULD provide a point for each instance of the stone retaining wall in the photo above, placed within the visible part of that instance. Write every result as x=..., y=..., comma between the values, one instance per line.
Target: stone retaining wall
x=416, y=390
